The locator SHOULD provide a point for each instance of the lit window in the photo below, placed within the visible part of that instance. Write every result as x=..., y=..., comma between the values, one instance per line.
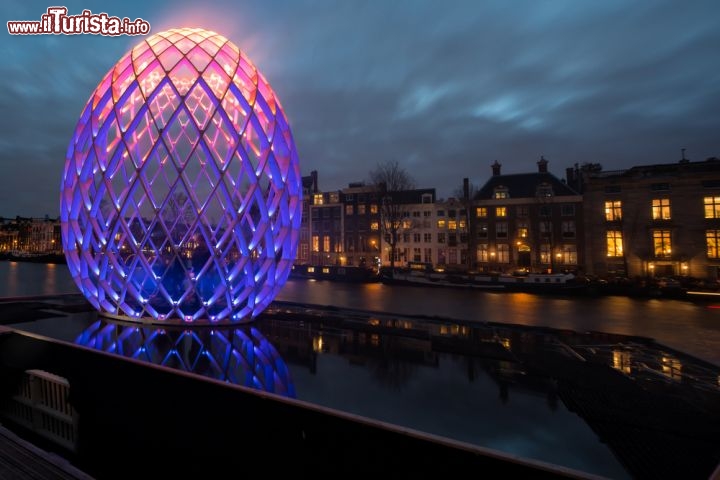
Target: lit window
x=712, y=207
x=348, y=209
x=441, y=223
x=361, y=210
x=662, y=244
x=462, y=224
x=500, y=192
x=373, y=208
x=569, y=254
x=661, y=209
x=374, y=225
x=713, y=240
x=501, y=211
x=481, y=212
x=614, y=243
x=545, y=253
x=522, y=232
x=407, y=224
x=326, y=243
x=482, y=252
x=315, y=243
x=318, y=199
x=613, y=210
x=452, y=225
x=503, y=253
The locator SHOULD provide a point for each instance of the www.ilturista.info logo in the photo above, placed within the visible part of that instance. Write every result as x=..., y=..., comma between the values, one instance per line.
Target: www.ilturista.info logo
x=57, y=22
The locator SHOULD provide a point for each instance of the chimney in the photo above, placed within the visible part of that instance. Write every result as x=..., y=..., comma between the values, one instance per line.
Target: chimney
x=466, y=188
x=683, y=159
x=542, y=165
x=314, y=177
x=570, y=176
x=496, y=168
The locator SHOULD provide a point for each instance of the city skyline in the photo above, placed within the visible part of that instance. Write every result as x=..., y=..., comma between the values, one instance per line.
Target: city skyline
x=444, y=92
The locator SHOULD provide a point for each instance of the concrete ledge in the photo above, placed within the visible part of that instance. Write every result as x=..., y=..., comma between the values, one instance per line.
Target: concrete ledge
x=137, y=419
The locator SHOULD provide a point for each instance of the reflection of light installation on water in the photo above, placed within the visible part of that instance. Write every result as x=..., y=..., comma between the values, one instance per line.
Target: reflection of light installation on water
x=240, y=356
x=181, y=194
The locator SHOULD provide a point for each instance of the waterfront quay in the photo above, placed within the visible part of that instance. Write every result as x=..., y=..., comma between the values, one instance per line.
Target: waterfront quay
x=341, y=389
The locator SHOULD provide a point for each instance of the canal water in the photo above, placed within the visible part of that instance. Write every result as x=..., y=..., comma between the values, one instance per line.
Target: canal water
x=423, y=374
x=691, y=327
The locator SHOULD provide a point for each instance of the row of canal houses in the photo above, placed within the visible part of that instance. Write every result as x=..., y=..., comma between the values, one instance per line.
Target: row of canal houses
x=650, y=220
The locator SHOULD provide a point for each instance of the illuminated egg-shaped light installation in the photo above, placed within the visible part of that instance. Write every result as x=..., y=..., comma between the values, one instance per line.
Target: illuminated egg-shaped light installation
x=181, y=194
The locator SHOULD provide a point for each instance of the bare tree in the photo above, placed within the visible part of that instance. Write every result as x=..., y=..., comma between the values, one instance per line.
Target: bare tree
x=391, y=180
x=466, y=194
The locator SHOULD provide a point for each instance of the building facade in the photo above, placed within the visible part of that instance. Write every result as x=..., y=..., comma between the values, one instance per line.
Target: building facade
x=528, y=221
x=654, y=220
x=363, y=242
x=310, y=188
x=327, y=229
x=417, y=234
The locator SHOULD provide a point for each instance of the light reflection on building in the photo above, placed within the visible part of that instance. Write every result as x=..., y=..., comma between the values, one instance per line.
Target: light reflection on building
x=672, y=367
x=622, y=361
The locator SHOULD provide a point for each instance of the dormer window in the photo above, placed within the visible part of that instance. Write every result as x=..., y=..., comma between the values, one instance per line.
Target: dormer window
x=544, y=190
x=501, y=192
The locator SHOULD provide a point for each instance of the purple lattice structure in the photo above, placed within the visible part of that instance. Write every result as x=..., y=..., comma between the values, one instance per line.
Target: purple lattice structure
x=181, y=195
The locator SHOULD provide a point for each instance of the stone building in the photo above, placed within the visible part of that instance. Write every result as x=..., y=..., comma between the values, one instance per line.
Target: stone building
x=654, y=220
x=528, y=221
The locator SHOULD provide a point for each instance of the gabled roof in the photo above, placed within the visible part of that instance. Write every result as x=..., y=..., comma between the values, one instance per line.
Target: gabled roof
x=524, y=185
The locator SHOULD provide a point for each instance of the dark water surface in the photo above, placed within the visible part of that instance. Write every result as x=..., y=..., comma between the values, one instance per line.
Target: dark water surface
x=691, y=327
x=515, y=390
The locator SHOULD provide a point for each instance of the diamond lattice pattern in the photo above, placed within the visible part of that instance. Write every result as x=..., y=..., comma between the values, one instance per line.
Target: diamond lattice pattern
x=181, y=196
x=239, y=355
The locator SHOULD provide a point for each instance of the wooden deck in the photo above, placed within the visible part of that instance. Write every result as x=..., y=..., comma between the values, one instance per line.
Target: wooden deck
x=20, y=460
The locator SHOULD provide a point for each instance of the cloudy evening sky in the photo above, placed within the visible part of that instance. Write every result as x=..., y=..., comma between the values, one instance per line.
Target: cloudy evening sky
x=443, y=87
